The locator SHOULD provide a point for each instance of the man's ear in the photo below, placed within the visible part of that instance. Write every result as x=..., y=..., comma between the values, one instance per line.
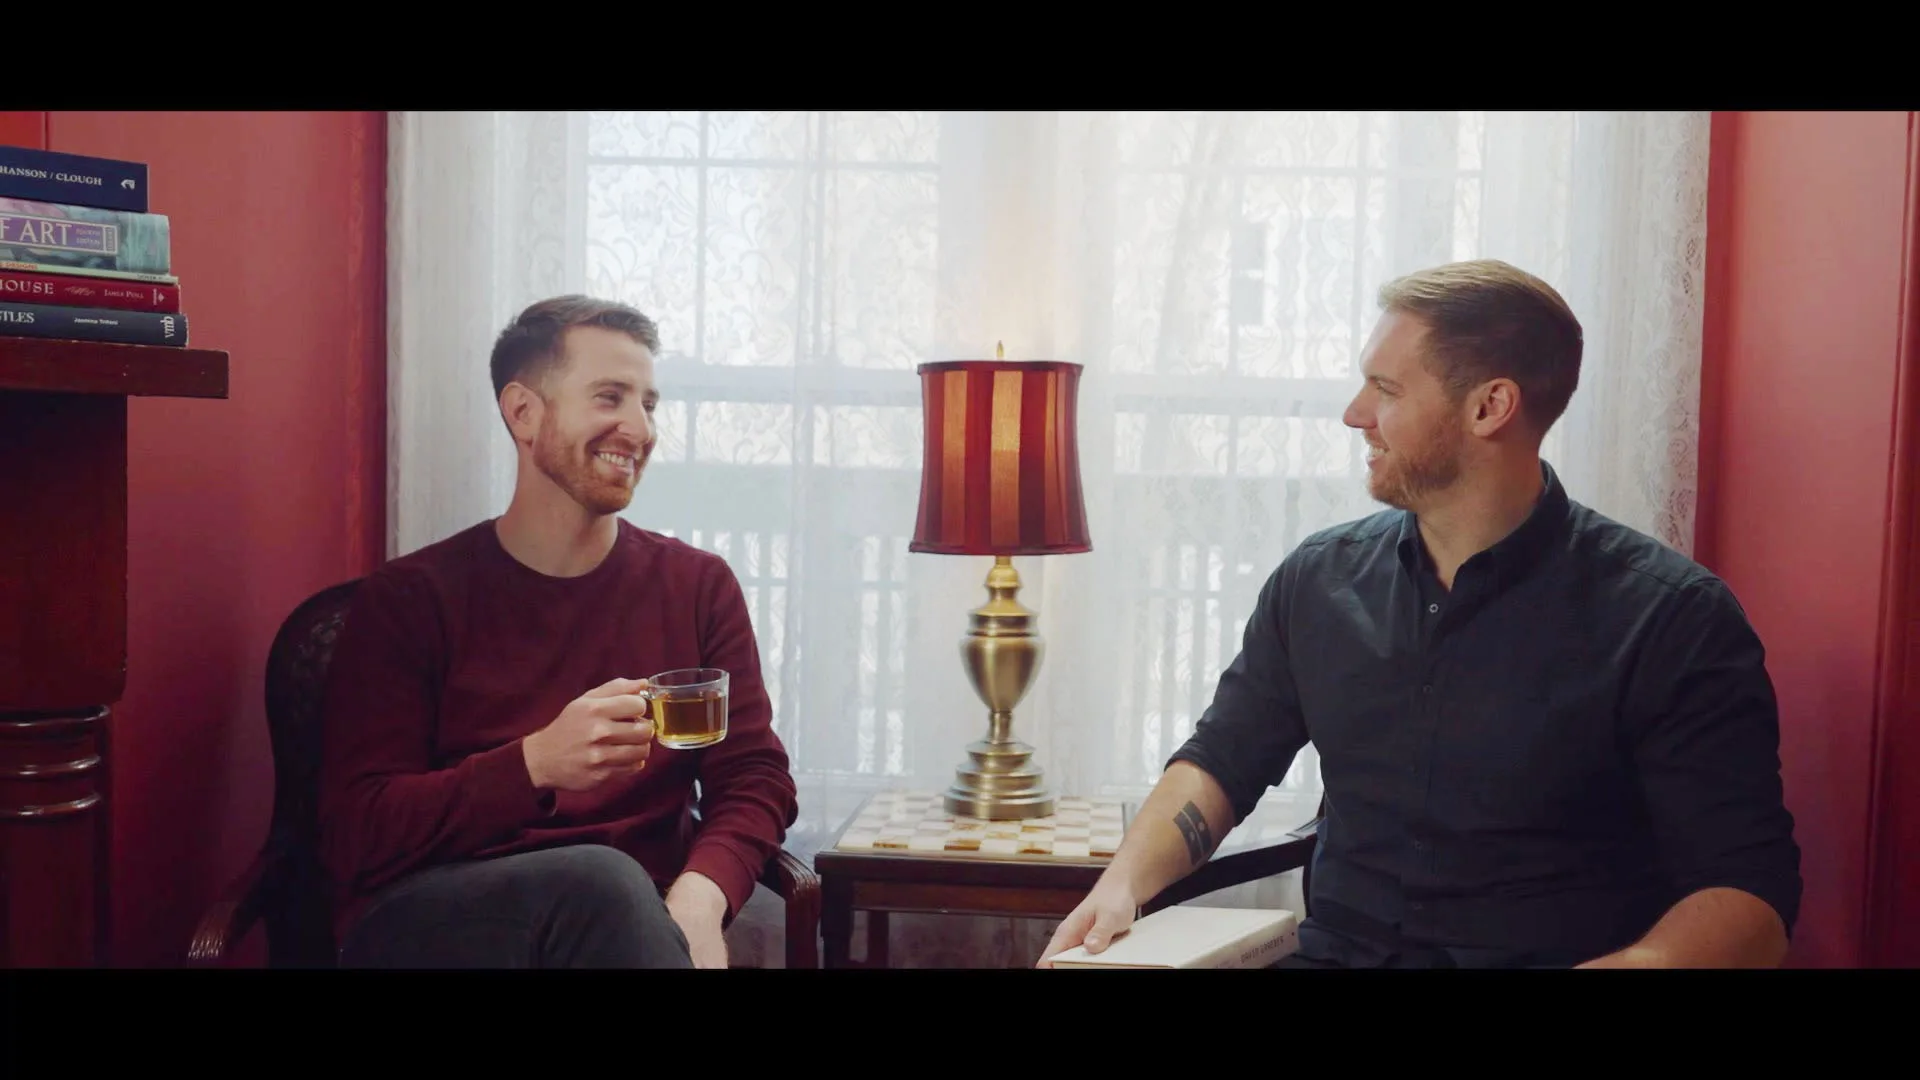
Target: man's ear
x=1496, y=407
x=521, y=408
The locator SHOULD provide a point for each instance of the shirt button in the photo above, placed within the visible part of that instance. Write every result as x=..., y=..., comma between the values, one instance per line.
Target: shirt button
x=1427, y=689
x=1432, y=608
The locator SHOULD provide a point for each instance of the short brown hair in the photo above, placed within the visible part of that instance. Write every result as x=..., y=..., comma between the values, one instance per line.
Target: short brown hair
x=1486, y=320
x=529, y=348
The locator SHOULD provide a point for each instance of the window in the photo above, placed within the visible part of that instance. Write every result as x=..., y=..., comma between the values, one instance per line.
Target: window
x=755, y=239
x=798, y=264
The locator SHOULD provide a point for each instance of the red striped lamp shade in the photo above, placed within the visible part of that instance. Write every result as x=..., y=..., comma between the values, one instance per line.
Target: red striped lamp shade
x=1001, y=475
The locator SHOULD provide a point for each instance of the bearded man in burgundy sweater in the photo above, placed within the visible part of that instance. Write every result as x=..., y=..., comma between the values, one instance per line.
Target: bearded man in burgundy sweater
x=491, y=794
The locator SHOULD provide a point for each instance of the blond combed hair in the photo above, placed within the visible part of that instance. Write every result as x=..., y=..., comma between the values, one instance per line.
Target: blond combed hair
x=1486, y=320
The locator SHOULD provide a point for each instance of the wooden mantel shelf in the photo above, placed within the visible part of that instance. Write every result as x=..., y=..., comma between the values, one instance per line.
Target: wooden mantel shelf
x=56, y=365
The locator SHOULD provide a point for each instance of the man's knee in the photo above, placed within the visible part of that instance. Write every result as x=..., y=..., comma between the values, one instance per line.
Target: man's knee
x=607, y=909
x=598, y=875
x=577, y=906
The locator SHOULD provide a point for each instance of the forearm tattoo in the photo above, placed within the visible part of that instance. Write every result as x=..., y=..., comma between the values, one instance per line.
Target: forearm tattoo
x=1193, y=826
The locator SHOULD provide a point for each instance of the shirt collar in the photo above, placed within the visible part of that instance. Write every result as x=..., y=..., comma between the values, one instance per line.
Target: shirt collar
x=1518, y=548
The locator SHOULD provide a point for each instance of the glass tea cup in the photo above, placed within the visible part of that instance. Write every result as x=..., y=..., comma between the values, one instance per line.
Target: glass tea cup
x=688, y=707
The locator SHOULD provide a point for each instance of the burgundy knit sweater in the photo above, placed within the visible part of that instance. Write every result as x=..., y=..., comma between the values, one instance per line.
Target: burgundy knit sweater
x=453, y=653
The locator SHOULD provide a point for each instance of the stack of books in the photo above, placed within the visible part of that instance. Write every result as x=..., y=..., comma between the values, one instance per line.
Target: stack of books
x=81, y=257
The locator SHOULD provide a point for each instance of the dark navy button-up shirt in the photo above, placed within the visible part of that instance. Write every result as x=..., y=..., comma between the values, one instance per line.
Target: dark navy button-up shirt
x=1529, y=768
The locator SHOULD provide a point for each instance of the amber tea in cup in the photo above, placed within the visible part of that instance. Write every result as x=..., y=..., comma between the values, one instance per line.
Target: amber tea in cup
x=688, y=706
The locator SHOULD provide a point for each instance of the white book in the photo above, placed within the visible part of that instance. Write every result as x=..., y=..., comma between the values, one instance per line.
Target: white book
x=1195, y=937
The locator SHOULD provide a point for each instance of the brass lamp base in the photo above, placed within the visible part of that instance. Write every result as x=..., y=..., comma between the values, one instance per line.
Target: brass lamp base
x=1002, y=653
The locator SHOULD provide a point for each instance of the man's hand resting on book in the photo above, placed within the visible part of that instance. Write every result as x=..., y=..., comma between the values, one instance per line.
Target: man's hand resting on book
x=1105, y=914
x=1176, y=831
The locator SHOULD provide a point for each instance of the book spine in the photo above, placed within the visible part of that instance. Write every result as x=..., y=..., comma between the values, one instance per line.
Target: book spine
x=73, y=179
x=61, y=290
x=61, y=235
x=88, y=271
x=1255, y=951
x=92, y=324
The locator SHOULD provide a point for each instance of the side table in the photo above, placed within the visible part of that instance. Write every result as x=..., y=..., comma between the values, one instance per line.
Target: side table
x=901, y=852
x=63, y=625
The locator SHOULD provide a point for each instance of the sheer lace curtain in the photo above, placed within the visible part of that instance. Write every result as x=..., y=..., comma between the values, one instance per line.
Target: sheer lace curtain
x=1215, y=272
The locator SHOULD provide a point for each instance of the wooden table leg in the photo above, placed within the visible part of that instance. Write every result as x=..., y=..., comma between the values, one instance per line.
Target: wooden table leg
x=877, y=939
x=53, y=839
x=63, y=661
x=836, y=921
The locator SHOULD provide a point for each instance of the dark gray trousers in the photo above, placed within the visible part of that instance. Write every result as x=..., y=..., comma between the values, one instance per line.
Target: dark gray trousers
x=583, y=906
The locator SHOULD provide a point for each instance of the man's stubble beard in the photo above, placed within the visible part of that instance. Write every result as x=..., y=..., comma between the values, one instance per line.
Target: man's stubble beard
x=1413, y=477
x=573, y=470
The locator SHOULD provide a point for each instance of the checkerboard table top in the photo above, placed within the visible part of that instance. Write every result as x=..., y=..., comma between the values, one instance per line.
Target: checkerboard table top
x=1080, y=830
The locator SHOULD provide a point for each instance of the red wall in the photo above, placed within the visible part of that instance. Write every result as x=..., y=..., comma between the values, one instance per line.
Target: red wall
x=23, y=129
x=1805, y=298
x=237, y=509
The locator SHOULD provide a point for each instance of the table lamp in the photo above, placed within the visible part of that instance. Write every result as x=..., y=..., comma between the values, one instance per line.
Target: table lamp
x=1000, y=477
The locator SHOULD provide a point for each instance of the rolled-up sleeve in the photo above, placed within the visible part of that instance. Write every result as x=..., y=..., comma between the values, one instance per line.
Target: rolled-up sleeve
x=1250, y=733
x=1707, y=749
